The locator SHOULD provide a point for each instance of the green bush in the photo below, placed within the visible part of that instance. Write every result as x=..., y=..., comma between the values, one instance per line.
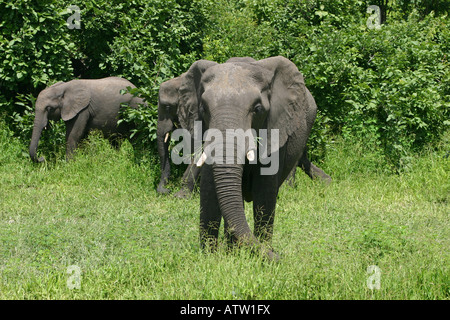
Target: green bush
x=52, y=141
x=35, y=48
x=143, y=121
x=233, y=31
x=146, y=42
x=388, y=85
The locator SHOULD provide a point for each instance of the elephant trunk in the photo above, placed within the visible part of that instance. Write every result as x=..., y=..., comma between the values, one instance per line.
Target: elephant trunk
x=227, y=177
x=40, y=121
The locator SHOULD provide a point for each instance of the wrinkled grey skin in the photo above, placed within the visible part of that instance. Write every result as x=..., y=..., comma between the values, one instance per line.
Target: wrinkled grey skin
x=266, y=94
x=169, y=112
x=83, y=105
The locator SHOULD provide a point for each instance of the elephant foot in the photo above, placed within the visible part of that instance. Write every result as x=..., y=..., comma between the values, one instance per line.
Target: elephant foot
x=162, y=190
x=272, y=256
x=319, y=174
x=184, y=193
x=323, y=177
x=38, y=160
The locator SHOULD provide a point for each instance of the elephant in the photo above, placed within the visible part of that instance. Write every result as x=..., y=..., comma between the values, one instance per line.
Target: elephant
x=84, y=105
x=168, y=120
x=172, y=115
x=242, y=96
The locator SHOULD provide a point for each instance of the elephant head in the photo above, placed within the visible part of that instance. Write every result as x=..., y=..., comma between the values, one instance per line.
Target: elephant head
x=169, y=108
x=60, y=100
x=168, y=99
x=242, y=95
x=170, y=113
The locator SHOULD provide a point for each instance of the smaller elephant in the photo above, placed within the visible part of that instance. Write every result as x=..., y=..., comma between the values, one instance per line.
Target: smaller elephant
x=168, y=120
x=84, y=105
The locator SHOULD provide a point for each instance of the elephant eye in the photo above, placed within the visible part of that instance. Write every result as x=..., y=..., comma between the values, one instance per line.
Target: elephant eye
x=257, y=108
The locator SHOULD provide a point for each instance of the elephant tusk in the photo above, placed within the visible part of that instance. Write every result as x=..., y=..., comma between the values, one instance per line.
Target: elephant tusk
x=166, y=137
x=202, y=160
x=251, y=155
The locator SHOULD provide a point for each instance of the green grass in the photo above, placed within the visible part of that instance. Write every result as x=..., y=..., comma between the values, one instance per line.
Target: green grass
x=102, y=214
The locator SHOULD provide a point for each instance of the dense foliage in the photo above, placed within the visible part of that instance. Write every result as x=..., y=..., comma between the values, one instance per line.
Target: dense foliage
x=387, y=86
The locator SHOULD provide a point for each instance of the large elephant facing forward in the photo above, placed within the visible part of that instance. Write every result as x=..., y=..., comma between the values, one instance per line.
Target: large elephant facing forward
x=84, y=105
x=236, y=97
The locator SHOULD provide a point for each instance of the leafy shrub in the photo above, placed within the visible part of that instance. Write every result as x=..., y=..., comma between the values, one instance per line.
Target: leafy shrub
x=145, y=42
x=34, y=49
x=143, y=121
x=423, y=7
x=402, y=94
x=389, y=85
x=233, y=31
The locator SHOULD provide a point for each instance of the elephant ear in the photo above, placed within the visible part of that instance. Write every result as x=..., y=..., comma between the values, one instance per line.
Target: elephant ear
x=287, y=111
x=189, y=94
x=76, y=97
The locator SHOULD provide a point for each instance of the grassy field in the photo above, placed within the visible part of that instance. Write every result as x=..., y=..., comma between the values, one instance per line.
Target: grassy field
x=101, y=214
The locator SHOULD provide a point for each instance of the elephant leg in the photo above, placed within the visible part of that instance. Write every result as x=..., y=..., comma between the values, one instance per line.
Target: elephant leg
x=165, y=173
x=210, y=216
x=189, y=181
x=265, y=191
x=191, y=176
x=76, y=129
x=164, y=159
x=313, y=171
x=291, y=177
